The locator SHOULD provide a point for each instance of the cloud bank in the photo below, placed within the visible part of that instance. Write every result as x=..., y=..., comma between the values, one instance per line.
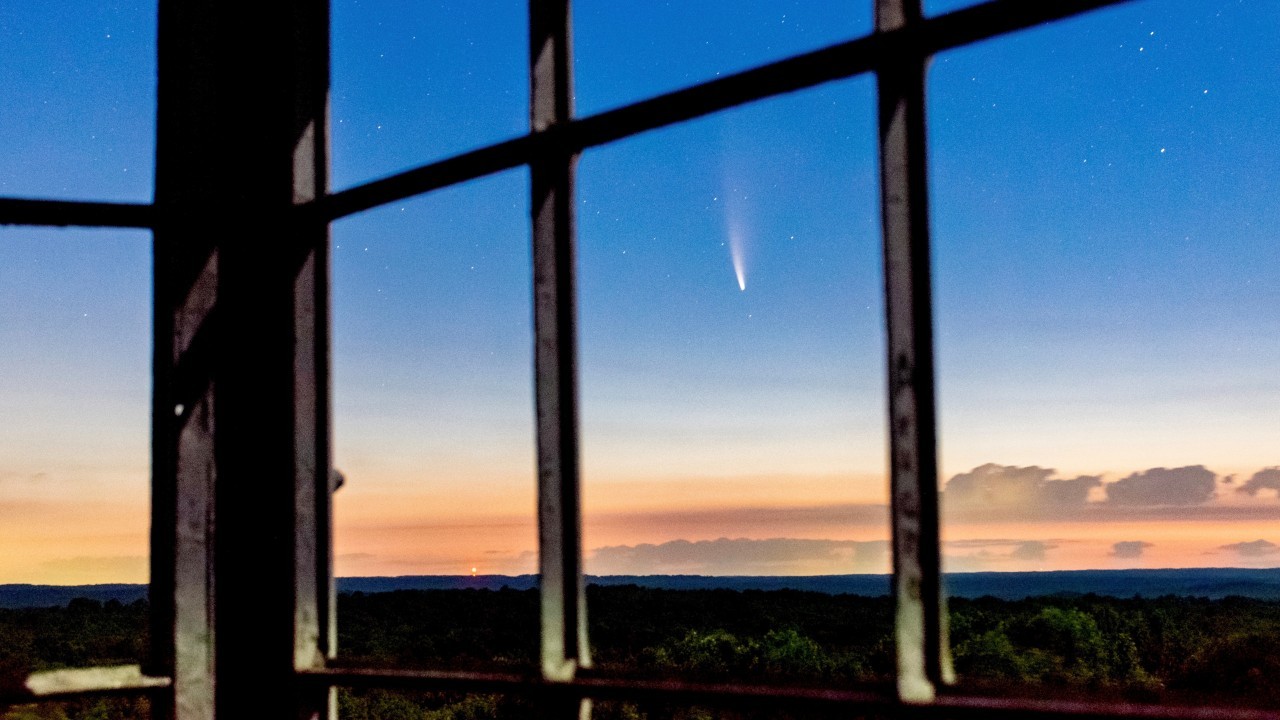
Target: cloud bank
x=993, y=489
x=742, y=556
x=994, y=554
x=1256, y=548
x=1192, y=485
x=1266, y=479
x=1129, y=549
x=994, y=492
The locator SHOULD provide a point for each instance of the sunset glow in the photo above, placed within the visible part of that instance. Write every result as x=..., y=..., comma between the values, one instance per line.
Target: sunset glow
x=1104, y=259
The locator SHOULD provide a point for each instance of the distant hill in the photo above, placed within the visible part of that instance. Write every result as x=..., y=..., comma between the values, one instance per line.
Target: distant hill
x=1213, y=583
x=16, y=596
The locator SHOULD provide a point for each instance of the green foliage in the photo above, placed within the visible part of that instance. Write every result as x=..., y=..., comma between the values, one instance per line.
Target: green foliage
x=705, y=654
x=1242, y=665
x=436, y=629
x=86, y=632
x=407, y=705
x=87, y=709
x=787, y=652
x=782, y=635
x=1170, y=649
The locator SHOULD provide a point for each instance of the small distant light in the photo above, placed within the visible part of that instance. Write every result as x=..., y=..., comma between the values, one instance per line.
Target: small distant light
x=177, y=409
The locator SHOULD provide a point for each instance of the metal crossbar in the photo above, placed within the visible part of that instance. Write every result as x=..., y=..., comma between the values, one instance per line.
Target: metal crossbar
x=65, y=213
x=837, y=62
x=868, y=701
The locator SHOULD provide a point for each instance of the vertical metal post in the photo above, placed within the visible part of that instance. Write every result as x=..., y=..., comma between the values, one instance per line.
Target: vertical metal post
x=923, y=653
x=240, y=413
x=564, y=624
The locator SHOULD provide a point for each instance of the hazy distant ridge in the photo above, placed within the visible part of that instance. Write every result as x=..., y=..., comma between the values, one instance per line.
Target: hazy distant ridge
x=16, y=596
x=1215, y=583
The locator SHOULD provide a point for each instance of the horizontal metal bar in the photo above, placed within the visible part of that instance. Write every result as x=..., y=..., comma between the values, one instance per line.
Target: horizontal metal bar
x=997, y=17
x=595, y=687
x=839, y=61
x=984, y=707
x=450, y=171
x=798, y=72
x=836, y=62
x=66, y=213
x=672, y=691
x=71, y=683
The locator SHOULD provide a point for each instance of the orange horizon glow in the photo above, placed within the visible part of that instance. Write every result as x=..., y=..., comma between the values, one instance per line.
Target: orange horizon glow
x=689, y=525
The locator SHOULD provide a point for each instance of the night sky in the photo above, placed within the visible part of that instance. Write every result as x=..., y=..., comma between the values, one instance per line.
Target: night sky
x=1106, y=271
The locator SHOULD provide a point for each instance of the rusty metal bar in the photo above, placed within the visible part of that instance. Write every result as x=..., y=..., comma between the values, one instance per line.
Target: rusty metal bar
x=798, y=72
x=564, y=646
x=920, y=626
x=868, y=701
x=67, y=213
x=240, y=416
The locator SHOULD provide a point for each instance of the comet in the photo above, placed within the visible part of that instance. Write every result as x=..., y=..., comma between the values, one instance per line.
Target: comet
x=735, y=254
x=734, y=219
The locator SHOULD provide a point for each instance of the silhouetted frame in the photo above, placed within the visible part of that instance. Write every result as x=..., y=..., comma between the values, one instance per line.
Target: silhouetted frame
x=242, y=477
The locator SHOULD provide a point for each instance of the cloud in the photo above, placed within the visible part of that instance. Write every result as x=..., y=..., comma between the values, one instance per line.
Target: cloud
x=689, y=521
x=1191, y=485
x=741, y=556
x=95, y=569
x=991, y=490
x=1031, y=550
x=1256, y=548
x=987, y=554
x=1129, y=549
x=36, y=477
x=1266, y=479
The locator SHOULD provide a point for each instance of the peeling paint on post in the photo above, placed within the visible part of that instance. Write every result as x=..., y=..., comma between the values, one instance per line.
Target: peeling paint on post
x=923, y=655
x=564, y=646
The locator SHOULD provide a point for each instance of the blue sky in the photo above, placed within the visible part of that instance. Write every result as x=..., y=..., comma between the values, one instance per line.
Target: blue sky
x=1105, y=268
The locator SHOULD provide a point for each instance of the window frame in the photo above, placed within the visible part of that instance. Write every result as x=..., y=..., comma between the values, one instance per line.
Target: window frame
x=209, y=80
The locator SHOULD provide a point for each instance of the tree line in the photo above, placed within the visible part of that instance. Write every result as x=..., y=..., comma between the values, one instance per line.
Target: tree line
x=1159, y=650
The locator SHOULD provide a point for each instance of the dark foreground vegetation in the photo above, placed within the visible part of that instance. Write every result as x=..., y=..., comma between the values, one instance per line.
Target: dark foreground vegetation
x=1162, y=650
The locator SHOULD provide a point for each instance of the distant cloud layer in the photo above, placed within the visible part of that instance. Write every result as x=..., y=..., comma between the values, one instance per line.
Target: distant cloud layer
x=993, y=489
x=28, y=477
x=994, y=554
x=1267, y=479
x=1256, y=548
x=1033, y=493
x=1129, y=549
x=741, y=556
x=1031, y=550
x=113, y=568
x=1192, y=485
